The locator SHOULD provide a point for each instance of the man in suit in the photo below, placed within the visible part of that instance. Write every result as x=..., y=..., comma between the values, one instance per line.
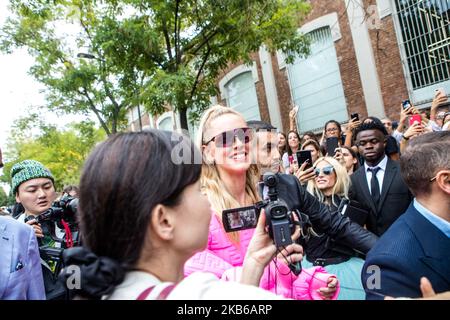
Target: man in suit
x=378, y=184
x=418, y=244
x=20, y=266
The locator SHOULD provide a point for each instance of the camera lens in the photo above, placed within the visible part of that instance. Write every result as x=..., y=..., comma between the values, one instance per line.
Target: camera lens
x=270, y=179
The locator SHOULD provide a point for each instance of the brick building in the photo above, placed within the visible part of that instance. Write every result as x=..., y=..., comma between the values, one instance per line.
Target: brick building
x=367, y=56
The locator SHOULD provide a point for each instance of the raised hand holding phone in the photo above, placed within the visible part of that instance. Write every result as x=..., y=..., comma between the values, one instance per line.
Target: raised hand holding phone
x=416, y=118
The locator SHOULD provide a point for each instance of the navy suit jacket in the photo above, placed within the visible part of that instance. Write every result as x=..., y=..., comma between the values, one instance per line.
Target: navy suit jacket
x=412, y=248
x=20, y=263
x=395, y=197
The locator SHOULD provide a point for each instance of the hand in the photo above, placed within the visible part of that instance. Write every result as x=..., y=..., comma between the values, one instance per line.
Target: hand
x=293, y=253
x=404, y=113
x=305, y=175
x=293, y=113
x=261, y=248
x=414, y=130
x=439, y=99
x=328, y=292
x=427, y=292
x=37, y=228
x=353, y=124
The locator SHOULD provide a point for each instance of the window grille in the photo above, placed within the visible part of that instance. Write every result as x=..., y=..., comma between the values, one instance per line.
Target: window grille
x=425, y=31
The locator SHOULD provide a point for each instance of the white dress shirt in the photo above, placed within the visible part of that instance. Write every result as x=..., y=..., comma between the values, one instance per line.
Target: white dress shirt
x=380, y=174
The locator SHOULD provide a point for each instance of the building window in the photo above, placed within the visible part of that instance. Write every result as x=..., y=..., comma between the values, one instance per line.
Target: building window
x=425, y=30
x=316, y=85
x=165, y=122
x=241, y=96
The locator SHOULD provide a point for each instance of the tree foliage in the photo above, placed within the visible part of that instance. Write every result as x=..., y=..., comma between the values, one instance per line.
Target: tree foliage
x=151, y=53
x=3, y=197
x=62, y=151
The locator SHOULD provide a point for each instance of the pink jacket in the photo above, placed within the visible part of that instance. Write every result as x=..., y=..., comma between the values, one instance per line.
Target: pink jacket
x=224, y=259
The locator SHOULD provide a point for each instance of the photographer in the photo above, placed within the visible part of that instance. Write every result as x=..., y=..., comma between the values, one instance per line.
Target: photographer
x=33, y=186
x=228, y=179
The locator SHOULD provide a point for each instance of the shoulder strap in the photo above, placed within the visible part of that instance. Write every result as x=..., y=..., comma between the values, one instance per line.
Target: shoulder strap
x=161, y=296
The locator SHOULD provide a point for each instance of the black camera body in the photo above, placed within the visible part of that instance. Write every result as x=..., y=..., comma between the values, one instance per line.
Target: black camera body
x=63, y=210
x=279, y=219
x=278, y=215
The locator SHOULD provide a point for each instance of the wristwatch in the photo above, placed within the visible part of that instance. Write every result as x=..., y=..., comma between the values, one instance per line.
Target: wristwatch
x=404, y=137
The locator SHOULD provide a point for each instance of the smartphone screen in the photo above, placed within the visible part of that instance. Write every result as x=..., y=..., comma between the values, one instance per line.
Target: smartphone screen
x=240, y=219
x=332, y=144
x=406, y=104
x=303, y=156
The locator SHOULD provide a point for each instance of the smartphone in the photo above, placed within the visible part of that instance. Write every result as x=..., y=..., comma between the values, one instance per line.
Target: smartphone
x=441, y=90
x=406, y=104
x=332, y=144
x=240, y=219
x=415, y=118
x=304, y=156
x=354, y=116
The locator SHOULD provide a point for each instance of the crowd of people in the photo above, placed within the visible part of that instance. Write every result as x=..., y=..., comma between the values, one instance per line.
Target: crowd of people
x=367, y=210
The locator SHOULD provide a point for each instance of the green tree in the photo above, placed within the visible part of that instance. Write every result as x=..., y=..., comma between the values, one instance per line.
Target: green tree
x=3, y=197
x=150, y=53
x=62, y=151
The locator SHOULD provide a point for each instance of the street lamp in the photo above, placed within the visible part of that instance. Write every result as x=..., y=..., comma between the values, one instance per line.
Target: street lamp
x=91, y=56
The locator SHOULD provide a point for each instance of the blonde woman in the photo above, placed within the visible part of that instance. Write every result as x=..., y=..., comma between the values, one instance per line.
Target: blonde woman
x=228, y=180
x=330, y=186
x=331, y=183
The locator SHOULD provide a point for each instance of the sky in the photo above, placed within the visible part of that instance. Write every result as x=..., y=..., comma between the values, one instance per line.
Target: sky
x=19, y=90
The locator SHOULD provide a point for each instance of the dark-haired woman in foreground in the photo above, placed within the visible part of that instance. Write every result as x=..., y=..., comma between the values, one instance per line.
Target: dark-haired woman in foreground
x=143, y=216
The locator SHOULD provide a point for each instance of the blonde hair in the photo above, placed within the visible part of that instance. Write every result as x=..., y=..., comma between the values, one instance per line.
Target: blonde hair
x=341, y=186
x=212, y=185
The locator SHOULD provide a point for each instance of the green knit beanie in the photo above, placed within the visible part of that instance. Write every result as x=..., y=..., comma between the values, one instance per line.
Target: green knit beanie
x=27, y=170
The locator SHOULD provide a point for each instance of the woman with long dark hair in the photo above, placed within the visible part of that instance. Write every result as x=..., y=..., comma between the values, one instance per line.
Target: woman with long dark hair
x=143, y=216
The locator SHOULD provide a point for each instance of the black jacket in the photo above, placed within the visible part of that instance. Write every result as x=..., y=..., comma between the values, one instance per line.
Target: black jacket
x=395, y=197
x=324, y=221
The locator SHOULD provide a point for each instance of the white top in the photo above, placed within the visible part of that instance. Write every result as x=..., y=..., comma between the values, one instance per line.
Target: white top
x=380, y=174
x=197, y=286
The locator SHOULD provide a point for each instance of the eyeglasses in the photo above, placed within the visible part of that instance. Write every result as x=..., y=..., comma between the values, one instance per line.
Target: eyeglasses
x=227, y=138
x=326, y=171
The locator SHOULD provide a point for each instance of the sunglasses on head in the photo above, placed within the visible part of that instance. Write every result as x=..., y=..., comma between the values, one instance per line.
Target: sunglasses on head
x=227, y=138
x=326, y=171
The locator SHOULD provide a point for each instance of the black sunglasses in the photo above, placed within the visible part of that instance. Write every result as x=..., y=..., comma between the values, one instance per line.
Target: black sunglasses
x=227, y=138
x=326, y=171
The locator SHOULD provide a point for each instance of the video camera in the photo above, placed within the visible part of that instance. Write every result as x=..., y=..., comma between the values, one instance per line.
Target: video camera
x=279, y=218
